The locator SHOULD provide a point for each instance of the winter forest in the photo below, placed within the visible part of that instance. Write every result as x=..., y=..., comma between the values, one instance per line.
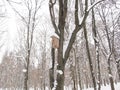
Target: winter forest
x=59, y=44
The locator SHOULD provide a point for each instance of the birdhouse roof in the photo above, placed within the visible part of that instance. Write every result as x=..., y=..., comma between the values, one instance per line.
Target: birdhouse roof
x=55, y=36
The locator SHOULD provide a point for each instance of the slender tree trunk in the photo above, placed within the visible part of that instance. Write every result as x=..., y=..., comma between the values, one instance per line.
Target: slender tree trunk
x=77, y=69
x=89, y=58
x=25, y=82
x=117, y=63
x=26, y=72
x=79, y=75
x=118, y=68
x=74, y=83
x=99, y=74
x=110, y=75
x=80, y=81
x=95, y=36
x=110, y=48
x=51, y=78
x=26, y=76
x=29, y=44
x=109, y=60
x=51, y=70
x=111, y=79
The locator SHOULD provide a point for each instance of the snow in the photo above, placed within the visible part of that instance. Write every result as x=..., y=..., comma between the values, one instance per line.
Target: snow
x=81, y=19
x=60, y=72
x=24, y=70
x=96, y=39
x=110, y=75
x=107, y=87
x=54, y=34
x=98, y=81
x=55, y=84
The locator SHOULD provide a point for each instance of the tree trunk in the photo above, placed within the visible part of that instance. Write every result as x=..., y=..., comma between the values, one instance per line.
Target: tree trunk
x=117, y=63
x=89, y=58
x=110, y=76
x=74, y=87
x=95, y=36
x=60, y=79
x=118, y=69
x=27, y=71
x=25, y=82
x=79, y=75
x=51, y=71
x=51, y=76
x=99, y=75
x=60, y=82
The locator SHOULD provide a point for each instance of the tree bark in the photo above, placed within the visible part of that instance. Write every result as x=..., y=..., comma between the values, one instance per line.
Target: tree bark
x=51, y=70
x=60, y=77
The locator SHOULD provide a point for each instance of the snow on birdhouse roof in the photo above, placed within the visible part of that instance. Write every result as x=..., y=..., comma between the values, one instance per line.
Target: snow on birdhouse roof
x=54, y=35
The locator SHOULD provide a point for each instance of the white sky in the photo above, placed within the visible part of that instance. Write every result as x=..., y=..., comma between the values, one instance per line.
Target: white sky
x=9, y=38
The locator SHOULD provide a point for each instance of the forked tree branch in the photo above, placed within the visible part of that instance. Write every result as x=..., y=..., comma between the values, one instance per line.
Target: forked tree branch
x=78, y=28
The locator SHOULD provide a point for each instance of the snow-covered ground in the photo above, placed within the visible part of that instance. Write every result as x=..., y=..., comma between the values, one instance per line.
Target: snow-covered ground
x=107, y=87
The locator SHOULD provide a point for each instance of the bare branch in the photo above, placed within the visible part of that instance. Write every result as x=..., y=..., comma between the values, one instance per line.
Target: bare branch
x=78, y=28
x=22, y=17
x=94, y=4
x=51, y=9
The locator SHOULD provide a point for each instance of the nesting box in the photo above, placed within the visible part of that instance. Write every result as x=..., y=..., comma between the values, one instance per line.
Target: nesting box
x=55, y=42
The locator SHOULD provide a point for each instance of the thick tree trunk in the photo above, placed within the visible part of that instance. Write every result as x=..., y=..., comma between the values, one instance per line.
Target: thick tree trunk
x=60, y=81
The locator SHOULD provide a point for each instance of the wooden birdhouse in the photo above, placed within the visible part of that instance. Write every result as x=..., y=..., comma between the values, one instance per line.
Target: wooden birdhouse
x=55, y=42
